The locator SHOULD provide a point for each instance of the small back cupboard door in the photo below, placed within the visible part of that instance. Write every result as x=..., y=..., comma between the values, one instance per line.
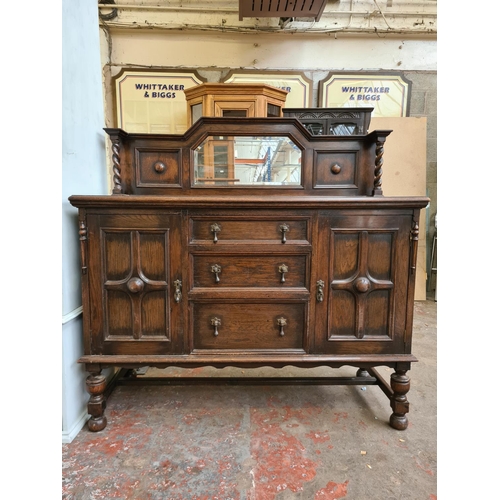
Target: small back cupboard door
x=134, y=260
x=363, y=260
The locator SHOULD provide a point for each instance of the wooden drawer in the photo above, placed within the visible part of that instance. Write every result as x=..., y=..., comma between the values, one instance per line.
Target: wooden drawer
x=223, y=229
x=221, y=270
x=158, y=167
x=248, y=326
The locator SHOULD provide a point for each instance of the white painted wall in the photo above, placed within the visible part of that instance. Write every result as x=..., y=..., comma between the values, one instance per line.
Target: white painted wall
x=300, y=52
x=83, y=158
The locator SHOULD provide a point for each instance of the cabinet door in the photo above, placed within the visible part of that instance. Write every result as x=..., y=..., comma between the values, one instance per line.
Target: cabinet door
x=133, y=261
x=364, y=263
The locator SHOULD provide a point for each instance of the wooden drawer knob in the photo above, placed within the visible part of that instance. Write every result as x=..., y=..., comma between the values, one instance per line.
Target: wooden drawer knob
x=336, y=169
x=159, y=167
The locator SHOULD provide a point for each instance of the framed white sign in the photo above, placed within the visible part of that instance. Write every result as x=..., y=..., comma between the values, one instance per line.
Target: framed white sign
x=387, y=93
x=298, y=86
x=153, y=101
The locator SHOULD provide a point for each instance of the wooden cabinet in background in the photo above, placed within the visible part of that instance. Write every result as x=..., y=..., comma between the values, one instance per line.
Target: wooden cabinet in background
x=234, y=100
x=332, y=121
x=299, y=261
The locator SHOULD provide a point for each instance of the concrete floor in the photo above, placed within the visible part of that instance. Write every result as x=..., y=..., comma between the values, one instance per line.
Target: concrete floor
x=263, y=442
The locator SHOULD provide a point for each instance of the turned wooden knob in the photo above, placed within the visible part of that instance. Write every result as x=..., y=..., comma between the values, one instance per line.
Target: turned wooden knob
x=135, y=285
x=336, y=168
x=160, y=167
x=362, y=285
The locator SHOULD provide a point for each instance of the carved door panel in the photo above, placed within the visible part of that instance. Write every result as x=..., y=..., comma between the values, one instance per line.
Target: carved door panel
x=364, y=262
x=134, y=262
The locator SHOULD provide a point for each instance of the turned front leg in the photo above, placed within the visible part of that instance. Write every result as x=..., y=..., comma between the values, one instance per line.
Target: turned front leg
x=96, y=383
x=400, y=384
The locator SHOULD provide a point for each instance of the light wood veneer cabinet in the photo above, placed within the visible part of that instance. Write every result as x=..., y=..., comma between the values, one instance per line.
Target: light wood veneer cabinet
x=231, y=100
x=297, y=260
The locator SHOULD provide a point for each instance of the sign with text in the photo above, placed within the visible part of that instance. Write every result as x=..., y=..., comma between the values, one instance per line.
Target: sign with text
x=153, y=102
x=387, y=93
x=298, y=86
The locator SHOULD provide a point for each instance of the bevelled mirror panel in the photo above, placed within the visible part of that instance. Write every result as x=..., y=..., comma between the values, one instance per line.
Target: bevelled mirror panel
x=247, y=162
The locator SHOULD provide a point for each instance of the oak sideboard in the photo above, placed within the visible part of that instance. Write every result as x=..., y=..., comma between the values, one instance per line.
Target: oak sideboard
x=248, y=242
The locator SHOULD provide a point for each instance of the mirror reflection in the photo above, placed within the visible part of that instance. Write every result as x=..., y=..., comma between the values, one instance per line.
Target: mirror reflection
x=247, y=161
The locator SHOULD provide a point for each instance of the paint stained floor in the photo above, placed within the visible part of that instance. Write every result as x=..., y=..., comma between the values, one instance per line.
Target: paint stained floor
x=201, y=442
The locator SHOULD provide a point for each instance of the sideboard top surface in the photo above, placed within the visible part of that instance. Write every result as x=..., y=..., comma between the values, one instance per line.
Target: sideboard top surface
x=303, y=202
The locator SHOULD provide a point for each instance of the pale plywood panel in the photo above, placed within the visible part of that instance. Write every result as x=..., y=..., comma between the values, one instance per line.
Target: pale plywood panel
x=404, y=173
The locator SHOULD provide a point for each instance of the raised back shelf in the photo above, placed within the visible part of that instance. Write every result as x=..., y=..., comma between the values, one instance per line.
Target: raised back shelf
x=250, y=156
